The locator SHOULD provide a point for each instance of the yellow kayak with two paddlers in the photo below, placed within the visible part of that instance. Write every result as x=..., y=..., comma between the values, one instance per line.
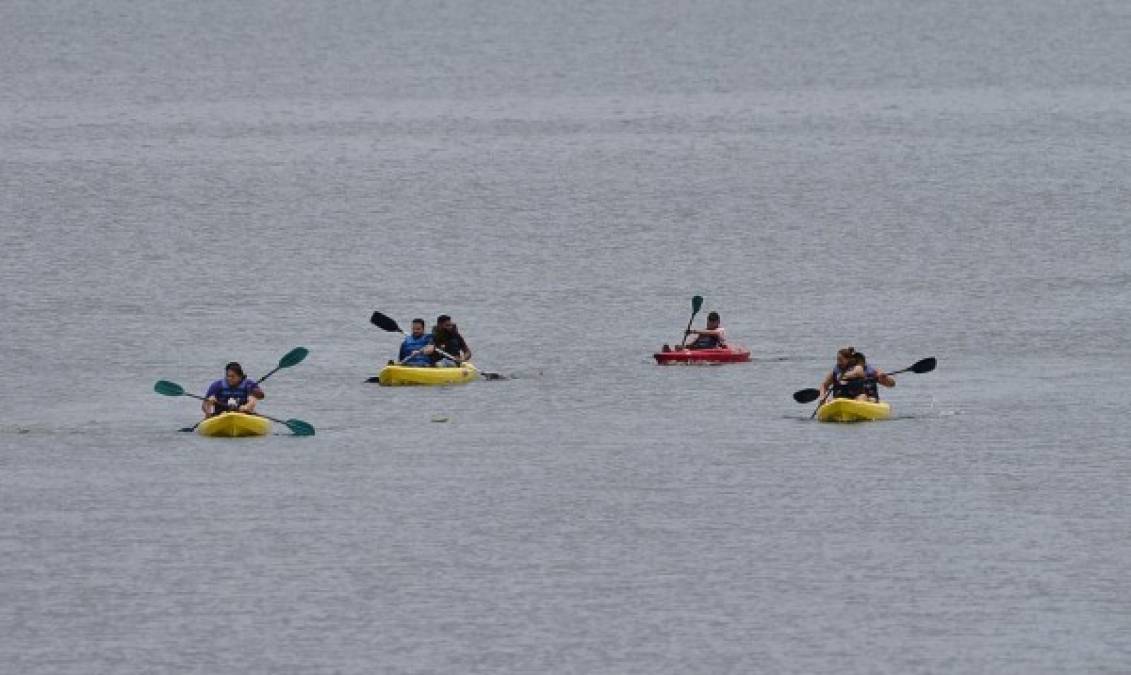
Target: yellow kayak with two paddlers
x=394, y=375
x=851, y=410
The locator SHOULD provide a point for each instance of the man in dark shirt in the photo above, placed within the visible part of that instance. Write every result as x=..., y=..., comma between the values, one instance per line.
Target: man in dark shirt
x=446, y=337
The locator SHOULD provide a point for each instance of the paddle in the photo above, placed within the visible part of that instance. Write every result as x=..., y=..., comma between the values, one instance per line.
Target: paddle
x=487, y=376
x=387, y=324
x=919, y=367
x=696, y=305
x=167, y=388
x=291, y=358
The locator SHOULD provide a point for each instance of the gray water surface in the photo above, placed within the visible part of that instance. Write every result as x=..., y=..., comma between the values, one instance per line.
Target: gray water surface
x=186, y=184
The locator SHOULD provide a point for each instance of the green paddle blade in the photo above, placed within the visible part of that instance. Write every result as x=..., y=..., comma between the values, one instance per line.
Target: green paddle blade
x=384, y=323
x=300, y=428
x=696, y=304
x=806, y=395
x=925, y=366
x=293, y=357
x=167, y=388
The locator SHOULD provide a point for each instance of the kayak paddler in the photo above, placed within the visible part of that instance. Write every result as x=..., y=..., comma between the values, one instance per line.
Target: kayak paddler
x=446, y=338
x=853, y=378
x=236, y=392
x=714, y=336
x=417, y=348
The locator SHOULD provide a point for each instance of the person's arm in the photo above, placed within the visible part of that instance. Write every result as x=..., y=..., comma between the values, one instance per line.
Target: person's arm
x=884, y=379
x=208, y=405
x=853, y=373
x=253, y=397
x=826, y=384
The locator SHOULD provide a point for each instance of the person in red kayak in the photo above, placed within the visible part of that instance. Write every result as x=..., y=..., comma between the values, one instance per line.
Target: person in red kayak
x=235, y=393
x=714, y=336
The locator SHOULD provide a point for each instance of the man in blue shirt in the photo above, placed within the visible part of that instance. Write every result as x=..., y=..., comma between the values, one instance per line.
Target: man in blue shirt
x=416, y=350
x=235, y=393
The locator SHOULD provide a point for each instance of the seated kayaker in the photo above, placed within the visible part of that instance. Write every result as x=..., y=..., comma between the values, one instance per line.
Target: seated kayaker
x=417, y=349
x=853, y=378
x=235, y=393
x=446, y=338
x=713, y=336
x=871, y=377
x=845, y=360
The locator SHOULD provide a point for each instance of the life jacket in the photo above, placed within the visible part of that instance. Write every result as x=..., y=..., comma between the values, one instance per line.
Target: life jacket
x=853, y=388
x=846, y=388
x=451, y=343
x=228, y=398
x=871, y=386
x=707, y=342
x=411, y=345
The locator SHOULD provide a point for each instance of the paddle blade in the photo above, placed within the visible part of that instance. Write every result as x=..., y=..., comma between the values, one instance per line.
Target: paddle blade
x=925, y=366
x=167, y=388
x=696, y=304
x=300, y=428
x=384, y=323
x=806, y=395
x=293, y=357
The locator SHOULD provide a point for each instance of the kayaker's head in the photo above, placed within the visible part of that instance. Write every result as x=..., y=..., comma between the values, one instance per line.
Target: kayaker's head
x=444, y=324
x=846, y=358
x=233, y=372
x=860, y=360
x=417, y=327
x=713, y=321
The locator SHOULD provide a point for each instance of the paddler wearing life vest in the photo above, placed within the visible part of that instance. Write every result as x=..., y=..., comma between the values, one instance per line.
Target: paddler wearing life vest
x=853, y=378
x=446, y=338
x=714, y=336
x=236, y=392
x=417, y=348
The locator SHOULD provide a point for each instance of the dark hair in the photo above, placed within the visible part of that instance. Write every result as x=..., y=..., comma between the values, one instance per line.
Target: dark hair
x=236, y=367
x=713, y=316
x=418, y=321
x=847, y=352
x=442, y=318
x=860, y=359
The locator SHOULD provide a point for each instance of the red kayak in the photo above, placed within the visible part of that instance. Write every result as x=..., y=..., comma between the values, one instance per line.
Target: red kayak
x=732, y=354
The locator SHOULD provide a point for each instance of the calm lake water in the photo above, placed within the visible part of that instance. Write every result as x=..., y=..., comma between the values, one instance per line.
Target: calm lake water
x=186, y=184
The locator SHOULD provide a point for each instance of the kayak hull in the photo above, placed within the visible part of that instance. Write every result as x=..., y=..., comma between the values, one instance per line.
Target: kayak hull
x=402, y=376
x=735, y=354
x=850, y=410
x=234, y=425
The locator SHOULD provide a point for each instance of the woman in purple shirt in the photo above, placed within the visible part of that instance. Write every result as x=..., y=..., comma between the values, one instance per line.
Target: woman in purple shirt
x=235, y=393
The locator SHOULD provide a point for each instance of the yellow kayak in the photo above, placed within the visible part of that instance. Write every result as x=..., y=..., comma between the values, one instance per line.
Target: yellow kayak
x=234, y=424
x=394, y=376
x=851, y=410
